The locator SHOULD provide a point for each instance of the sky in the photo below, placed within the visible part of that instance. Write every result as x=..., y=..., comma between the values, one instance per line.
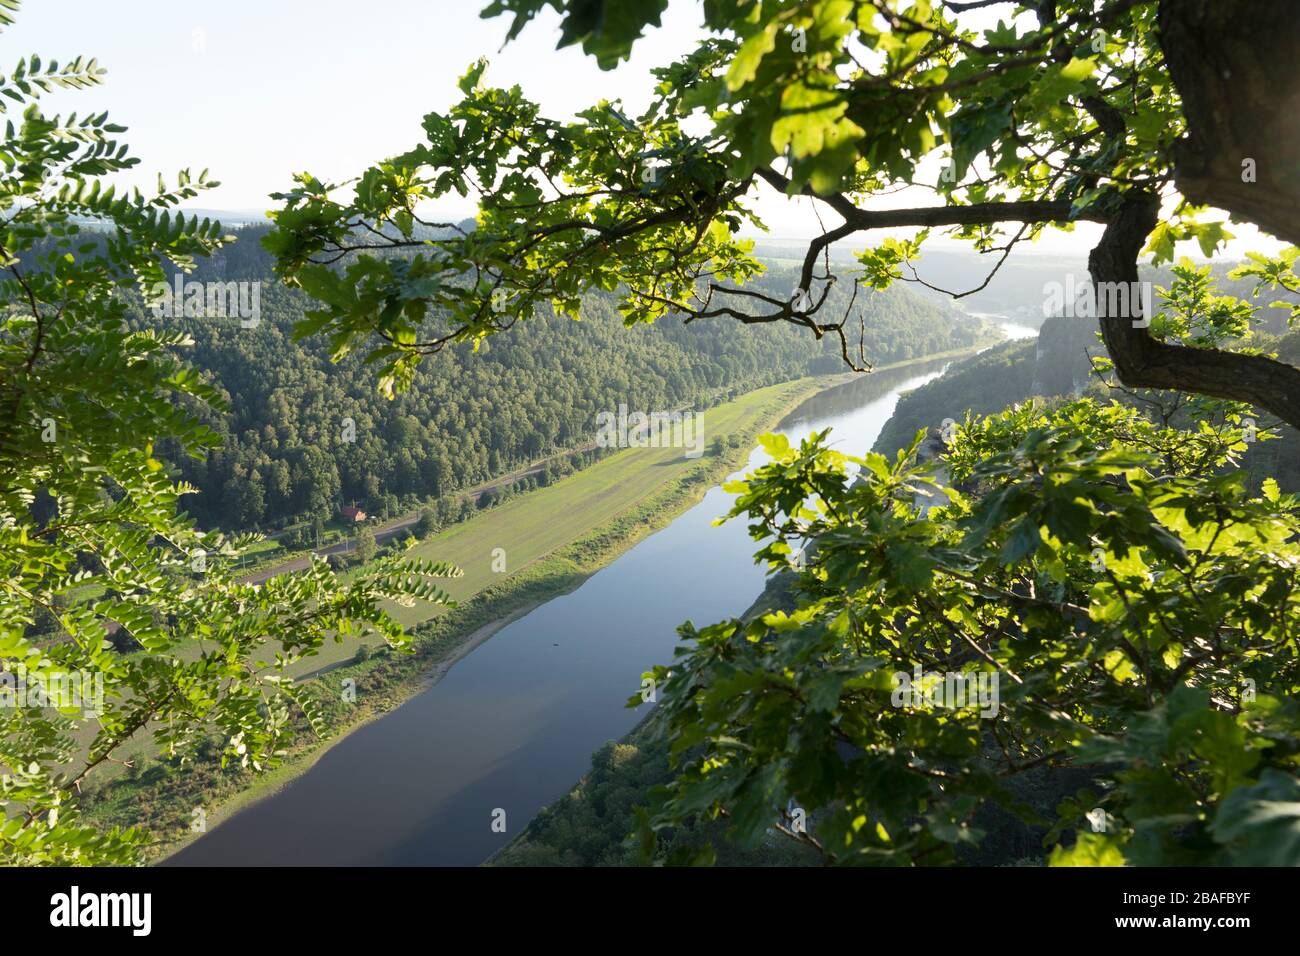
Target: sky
x=256, y=91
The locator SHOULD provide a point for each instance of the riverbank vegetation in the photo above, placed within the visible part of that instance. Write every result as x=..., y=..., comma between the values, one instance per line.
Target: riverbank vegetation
x=1104, y=562
x=302, y=435
x=1030, y=565
x=1098, y=587
x=162, y=793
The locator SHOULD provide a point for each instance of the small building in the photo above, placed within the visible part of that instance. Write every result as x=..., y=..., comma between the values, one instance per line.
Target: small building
x=353, y=513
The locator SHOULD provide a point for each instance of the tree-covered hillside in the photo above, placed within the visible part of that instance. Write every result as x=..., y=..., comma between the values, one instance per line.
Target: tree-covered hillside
x=1016, y=371
x=982, y=384
x=1102, y=585
x=1058, y=363
x=303, y=435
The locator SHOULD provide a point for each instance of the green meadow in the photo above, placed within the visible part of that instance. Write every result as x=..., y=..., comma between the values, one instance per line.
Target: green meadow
x=534, y=525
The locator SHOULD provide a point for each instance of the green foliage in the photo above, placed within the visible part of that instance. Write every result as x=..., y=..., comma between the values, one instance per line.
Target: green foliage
x=85, y=401
x=470, y=418
x=1115, y=574
x=426, y=524
x=882, y=265
x=366, y=547
x=1047, y=118
x=495, y=142
x=1137, y=608
x=982, y=384
x=596, y=824
x=1197, y=306
x=605, y=28
x=165, y=800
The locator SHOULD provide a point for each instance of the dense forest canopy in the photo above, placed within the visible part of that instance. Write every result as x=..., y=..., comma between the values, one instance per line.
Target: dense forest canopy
x=469, y=417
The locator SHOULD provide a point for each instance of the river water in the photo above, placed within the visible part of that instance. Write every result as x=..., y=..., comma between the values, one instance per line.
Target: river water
x=512, y=726
x=1012, y=329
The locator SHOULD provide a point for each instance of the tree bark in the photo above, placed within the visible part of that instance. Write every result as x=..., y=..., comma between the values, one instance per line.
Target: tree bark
x=1144, y=362
x=1236, y=65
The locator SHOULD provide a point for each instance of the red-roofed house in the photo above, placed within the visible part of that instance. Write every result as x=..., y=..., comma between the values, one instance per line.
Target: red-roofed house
x=353, y=513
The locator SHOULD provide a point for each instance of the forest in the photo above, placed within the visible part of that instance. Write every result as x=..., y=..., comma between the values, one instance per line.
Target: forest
x=288, y=452
x=1059, y=364
x=1102, y=525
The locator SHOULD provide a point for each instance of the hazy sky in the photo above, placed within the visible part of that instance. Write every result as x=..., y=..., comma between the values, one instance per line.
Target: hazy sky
x=259, y=90
x=256, y=91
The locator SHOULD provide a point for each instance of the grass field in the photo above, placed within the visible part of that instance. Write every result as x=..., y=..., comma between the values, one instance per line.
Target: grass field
x=533, y=525
x=553, y=538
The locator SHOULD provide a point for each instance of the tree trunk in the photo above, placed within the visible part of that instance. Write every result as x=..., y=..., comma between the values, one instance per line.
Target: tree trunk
x=1236, y=64
x=1143, y=362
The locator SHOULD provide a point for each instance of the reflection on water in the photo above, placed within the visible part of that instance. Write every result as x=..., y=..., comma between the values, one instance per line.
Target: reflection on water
x=1012, y=329
x=858, y=410
x=513, y=725
x=1016, y=331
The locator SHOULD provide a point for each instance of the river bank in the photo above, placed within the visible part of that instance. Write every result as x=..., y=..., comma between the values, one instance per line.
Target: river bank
x=384, y=682
x=594, y=820
x=167, y=801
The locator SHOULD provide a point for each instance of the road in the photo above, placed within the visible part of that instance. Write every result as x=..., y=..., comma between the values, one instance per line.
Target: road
x=396, y=526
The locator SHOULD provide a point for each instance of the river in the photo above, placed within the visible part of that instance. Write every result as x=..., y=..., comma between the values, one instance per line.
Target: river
x=512, y=726
x=1012, y=330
